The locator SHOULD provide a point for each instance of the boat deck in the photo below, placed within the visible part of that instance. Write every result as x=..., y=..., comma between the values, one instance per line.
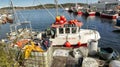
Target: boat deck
x=70, y=61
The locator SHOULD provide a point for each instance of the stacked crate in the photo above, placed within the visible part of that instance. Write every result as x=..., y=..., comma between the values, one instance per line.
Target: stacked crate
x=40, y=59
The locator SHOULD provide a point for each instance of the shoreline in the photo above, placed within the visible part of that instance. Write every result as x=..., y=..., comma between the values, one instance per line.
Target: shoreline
x=48, y=6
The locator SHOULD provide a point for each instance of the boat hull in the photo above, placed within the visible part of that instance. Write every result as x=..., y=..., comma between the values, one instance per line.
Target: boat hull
x=89, y=13
x=108, y=16
x=78, y=13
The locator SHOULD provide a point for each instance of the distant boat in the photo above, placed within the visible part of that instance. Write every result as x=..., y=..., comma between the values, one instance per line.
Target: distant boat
x=109, y=14
x=10, y=18
x=75, y=9
x=3, y=19
x=88, y=12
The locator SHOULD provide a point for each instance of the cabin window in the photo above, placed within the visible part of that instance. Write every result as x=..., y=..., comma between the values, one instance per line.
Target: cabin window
x=61, y=30
x=67, y=30
x=74, y=30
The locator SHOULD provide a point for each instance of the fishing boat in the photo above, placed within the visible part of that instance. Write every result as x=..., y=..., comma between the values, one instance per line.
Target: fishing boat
x=3, y=18
x=109, y=14
x=88, y=12
x=76, y=9
x=71, y=32
x=6, y=17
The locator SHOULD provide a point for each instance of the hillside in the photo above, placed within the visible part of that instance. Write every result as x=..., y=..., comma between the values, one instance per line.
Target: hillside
x=41, y=7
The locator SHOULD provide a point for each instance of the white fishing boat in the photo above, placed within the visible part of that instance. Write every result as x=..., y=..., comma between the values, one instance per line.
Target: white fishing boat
x=71, y=32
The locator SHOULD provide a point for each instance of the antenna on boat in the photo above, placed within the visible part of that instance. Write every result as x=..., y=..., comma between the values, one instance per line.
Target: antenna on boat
x=56, y=1
x=13, y=10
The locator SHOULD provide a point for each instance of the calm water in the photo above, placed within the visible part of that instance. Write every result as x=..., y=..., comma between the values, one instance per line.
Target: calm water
x=41, y=19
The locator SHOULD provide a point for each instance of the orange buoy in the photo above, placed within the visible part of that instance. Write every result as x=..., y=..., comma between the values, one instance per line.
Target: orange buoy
x=67, y=44
x=57, y=18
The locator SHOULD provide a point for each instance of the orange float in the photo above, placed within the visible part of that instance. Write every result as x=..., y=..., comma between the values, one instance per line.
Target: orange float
x=79, y=44
x=57, y=18
x=67, y=44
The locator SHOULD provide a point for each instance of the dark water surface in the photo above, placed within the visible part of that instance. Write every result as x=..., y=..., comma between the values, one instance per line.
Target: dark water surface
x=41, y=19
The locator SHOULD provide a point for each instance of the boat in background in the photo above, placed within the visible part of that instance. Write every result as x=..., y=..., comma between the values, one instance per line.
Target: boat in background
x=76, y=9
x=8, y=16
x=3, y=19
x=88, y=12
x=109, y=14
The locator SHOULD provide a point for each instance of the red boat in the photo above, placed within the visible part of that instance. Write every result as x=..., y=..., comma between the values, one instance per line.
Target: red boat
x=109, y=14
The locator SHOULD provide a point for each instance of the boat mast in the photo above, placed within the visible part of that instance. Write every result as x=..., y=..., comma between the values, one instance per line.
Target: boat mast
x=14, y=12
x=76, y=6
x=14, y=15
x=56, y=2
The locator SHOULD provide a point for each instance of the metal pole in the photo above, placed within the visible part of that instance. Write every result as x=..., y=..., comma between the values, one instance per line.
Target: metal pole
x=56, y=1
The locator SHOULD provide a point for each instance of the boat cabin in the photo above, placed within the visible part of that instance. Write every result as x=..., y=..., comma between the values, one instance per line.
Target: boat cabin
x=67, y=29
x=66, y=32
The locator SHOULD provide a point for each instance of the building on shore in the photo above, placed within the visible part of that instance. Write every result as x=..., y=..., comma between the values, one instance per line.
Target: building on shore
x=106, y=5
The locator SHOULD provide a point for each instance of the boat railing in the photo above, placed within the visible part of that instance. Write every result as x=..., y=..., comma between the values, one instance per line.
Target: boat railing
x=14, y=27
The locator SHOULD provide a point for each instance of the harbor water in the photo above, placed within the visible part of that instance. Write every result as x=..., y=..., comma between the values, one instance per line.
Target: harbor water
x=41, y=19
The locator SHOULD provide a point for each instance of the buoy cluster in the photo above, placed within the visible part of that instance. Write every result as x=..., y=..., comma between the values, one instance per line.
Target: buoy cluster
x=73, y=21
x=60, y=20
x=68, y=44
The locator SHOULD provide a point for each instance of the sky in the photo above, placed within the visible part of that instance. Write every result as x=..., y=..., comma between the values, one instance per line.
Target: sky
x=6, y=3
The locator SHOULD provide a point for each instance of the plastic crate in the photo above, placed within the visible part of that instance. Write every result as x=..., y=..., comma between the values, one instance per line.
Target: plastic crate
x=40, y=59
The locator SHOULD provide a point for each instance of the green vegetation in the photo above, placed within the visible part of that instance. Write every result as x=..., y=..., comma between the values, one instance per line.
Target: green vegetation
x=7, y=56
x=46, y=5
